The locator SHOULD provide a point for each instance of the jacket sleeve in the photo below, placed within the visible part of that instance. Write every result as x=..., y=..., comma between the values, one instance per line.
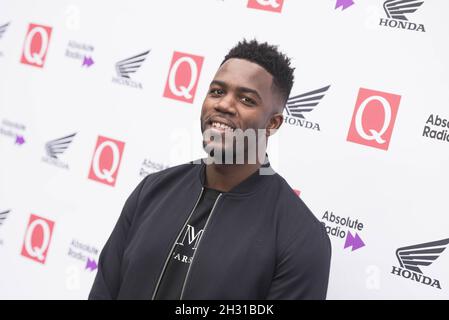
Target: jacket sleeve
x=303, y=267
x=107, y=281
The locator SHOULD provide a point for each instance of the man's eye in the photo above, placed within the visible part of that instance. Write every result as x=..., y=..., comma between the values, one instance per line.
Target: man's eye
x=215, y=91
x=249, y=101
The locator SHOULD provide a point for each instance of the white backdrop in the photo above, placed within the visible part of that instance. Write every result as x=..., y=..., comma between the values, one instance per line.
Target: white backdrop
x=64, y=68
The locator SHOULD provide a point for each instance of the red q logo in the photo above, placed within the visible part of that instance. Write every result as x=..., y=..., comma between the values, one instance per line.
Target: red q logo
x=269, y=5
x=373, y=119
x=183, y=77
x=37, y=238
x=106, y=160
x=36, y=45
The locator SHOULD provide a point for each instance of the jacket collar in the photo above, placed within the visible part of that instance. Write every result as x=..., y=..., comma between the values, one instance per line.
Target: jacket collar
x=249, y=185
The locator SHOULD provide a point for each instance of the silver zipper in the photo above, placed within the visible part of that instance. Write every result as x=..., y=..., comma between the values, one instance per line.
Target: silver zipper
x=174, y=244
x=199, y=244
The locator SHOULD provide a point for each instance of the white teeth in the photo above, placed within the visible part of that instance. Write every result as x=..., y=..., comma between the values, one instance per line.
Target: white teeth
x=222, y=126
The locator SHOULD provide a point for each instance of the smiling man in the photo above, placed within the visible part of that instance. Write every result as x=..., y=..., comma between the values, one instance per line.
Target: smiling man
x=227, y=226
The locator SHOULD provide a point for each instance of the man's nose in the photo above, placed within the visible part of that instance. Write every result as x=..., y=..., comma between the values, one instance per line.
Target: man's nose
x=226, y=104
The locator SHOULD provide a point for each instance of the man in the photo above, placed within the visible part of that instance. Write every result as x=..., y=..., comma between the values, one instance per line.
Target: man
x=218, y=229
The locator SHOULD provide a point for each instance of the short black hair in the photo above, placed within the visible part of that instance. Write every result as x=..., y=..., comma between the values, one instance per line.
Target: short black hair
x=268, y=57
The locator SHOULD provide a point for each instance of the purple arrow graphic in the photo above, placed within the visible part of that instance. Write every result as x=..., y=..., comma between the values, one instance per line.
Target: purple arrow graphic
x=19, y=140
x=91, y=264
x=344, y=4
x=88, y=61
x=354, y=242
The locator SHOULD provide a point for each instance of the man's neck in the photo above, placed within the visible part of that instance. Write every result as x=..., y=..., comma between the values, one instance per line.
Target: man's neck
x=224, y=177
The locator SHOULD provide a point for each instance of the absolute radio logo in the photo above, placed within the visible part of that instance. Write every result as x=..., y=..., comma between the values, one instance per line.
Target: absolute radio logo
x=81, y=52
x=343, y=4
x=267, y=5
x=85, y=253
x=346, y=228
x=37, y=238
x=36, y=45
x=127, y=67
x=397, y=12
x=13, y=130
x=149, y=166
x=55, y=148
x=299, y=105
x=106, y=160
x=413, y=258
x=182, y=80
x=436, y=128
x=373, y=118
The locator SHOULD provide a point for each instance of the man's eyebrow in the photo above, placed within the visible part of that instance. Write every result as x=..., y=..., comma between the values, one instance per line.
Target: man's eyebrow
x=241, y=89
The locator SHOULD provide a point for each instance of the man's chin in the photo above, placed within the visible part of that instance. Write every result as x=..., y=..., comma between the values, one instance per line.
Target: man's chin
x=224, y=155
x=218, y=153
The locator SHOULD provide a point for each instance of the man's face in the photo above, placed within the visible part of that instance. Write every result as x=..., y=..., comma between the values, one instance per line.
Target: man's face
x=241, y=96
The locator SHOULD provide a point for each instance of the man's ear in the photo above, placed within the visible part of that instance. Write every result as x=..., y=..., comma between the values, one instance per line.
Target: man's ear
x=275, y=123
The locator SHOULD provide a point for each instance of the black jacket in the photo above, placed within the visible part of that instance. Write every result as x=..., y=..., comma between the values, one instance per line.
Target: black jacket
x=261, y=241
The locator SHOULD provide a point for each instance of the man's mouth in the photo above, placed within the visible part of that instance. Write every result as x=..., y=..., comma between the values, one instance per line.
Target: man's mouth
x=222, y=126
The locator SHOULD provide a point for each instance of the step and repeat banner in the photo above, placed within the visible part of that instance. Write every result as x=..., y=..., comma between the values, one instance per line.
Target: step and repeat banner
x=95, y=95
